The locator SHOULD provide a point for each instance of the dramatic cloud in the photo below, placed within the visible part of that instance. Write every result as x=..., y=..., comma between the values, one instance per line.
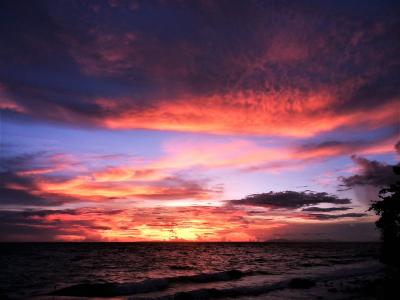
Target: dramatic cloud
x=162, y=224
x=19, y=185
x=39, y=179
x=14, y=191
x=289, y=199
x=46, y=178
x=196, y=223
x=130, y=122
x=373, y=173
x=87, y=188
x=49, y=225
x=278, y=69
x=371, y=176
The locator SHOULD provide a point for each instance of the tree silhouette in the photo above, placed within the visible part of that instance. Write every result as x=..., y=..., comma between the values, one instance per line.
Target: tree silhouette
x=388, y=208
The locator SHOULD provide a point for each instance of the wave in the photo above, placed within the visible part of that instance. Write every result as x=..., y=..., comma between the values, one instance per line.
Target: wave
x=211, y=277
x=205, y=285
x=112, y=289
x=257, y=290
x=207, y=293
x=145, y=286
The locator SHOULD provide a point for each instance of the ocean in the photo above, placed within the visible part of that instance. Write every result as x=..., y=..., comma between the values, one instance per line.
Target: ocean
x=177, y=270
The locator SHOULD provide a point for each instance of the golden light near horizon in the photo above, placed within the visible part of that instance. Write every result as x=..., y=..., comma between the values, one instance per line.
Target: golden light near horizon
x=202, y=126
x=198, y=149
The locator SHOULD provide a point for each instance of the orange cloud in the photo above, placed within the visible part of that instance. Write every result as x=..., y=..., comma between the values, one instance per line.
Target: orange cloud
x=192, y=223
x=283, y=112
x=88, y=188
x=291, y=113
x=126, y=173
x=156, y=180
x=292, y=78
x=199, y=223
x=64, y=178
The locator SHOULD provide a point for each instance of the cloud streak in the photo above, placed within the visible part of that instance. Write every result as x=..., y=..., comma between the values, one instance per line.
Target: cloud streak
x=289, y=199
x=325, y=209
x=26, y=182
x=323, y=217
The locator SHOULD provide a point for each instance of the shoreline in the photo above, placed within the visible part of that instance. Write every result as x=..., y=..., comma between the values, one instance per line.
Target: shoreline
x=352, y=281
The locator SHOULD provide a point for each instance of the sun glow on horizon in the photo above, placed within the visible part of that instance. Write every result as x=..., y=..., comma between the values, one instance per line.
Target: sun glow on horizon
x=196, y=120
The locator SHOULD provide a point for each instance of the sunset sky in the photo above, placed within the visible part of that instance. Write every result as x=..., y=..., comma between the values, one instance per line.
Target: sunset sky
x=196, y=120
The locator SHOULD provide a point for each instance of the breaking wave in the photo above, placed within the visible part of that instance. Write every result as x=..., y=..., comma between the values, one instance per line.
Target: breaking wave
x=208, y=285
x=145, y=286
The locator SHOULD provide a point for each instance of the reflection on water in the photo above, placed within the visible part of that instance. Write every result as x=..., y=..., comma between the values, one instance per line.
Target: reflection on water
x=30, y=269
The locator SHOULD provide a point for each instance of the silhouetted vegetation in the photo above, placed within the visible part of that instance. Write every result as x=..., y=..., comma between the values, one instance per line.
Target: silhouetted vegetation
x=388, y=208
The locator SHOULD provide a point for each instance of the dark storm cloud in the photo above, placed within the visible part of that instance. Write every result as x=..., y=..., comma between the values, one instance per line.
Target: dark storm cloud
x=289, y=199
x=325, y=209
x=372, y=173
x=71, y=56
x=322, y=217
